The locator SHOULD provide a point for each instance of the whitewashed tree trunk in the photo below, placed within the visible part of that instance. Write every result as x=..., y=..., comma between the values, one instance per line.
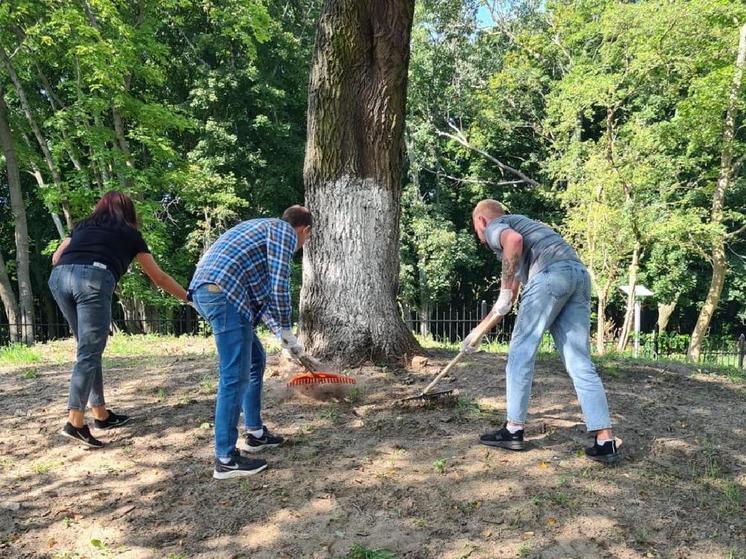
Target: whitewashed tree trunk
x=718, y=257
x=352, y=174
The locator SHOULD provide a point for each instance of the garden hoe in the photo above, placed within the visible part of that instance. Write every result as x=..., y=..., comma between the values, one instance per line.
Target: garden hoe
x=426, y=395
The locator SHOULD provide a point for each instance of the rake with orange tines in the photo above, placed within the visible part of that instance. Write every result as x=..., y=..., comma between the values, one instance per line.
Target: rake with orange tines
x=320, y=385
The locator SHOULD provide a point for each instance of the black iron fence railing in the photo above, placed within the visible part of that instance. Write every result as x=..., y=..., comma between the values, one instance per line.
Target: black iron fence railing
x=441, y=324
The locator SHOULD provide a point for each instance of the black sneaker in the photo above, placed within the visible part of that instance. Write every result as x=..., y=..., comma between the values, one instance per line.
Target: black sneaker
x=113, y=420
x=238, y=467
x=504, y=439
x=257, y=444
x=82, y=435
x=606, y=453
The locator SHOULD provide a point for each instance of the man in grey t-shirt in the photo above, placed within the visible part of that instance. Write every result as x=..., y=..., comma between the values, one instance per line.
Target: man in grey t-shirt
x=556, y=297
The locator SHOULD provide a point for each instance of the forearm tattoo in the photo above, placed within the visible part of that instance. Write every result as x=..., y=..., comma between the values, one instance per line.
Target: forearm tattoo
x=510, y=268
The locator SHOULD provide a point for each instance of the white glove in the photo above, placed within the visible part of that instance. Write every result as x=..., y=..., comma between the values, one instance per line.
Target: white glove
x=291, y=344
x=466, y=346
x=504, y=302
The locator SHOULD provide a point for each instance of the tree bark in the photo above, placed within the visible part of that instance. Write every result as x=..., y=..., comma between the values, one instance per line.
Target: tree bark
x=665, y=310
x=18, y=208
x=718, y=257
x=352, y=174
x=9, y=301
x=20, y=90
x=631, y=286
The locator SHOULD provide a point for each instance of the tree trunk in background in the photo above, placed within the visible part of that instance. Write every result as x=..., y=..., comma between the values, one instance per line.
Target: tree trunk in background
x=21, y=92
x=352, y=174
x=629, y=315
x=18, y=207
x=665, y=310
x=10, y=304
x=718, y=258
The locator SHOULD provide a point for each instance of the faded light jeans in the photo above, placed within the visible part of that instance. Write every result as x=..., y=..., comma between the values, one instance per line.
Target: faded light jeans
x=557, y=299
x=242, y=362
x=84, y=294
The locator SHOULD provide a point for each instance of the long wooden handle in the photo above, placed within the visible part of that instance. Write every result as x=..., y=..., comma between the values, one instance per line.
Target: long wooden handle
x=480, y=331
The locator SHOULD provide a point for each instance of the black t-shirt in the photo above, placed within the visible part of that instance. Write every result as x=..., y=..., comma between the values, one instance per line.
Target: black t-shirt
x=114, y=245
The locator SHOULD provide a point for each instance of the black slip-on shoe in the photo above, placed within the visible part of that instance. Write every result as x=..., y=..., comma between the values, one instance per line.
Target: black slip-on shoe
x=82, y=435
x=257, y=444
x=504, y=439
x=113, y=420
x=606, y=453
x=238, y=467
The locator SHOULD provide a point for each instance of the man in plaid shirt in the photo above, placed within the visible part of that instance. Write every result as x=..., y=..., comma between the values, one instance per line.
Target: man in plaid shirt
x=243, y=278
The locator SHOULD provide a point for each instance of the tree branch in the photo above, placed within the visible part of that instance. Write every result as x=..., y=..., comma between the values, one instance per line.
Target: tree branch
x=459, y=137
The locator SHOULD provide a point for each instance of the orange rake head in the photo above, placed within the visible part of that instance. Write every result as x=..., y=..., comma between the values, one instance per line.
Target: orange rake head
x=322, y=386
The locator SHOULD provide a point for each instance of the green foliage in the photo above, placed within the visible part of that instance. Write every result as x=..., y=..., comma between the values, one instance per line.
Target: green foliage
x=19, y=354
x=360, y=552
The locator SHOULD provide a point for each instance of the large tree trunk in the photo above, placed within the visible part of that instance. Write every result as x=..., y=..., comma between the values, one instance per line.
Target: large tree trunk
x=631, y=286
x=352, y=173
x=41, y=140
x=665, y=310
x=718, y=258
x=10, y=304
x=18, y=208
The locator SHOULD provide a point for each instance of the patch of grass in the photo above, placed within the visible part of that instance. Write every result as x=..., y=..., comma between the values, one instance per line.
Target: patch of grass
x=19, y=354
x=355, y=396
x=42, y=468
x=207, y=384
x=176, y=556
x=101, y=546
x=439, y=465
x=732, y=498
x=331, y=413
x=360, y=552
x=561, y=499
x=30, y=374
x=713, y=467
x=160, y=394
x=65, y=555
x=642, y=536
x=524, y=550
x=68, y=521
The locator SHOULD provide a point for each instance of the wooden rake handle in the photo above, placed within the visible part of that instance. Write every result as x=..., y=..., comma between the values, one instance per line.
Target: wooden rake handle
x=480, y=331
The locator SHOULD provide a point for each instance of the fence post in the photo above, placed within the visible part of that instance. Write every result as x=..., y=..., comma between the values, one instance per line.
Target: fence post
x=483, y=311
x=741, y=350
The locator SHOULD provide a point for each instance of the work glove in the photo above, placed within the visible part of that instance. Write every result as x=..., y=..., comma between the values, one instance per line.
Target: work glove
x=504, y=302
x=291, y=344
x=466, y=346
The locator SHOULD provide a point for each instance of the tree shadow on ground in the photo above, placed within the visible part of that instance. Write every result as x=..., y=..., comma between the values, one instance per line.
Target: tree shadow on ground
x=410, y=479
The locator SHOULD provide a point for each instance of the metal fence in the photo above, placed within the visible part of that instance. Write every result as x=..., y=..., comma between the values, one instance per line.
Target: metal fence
x=442, y=324
x=449, y=324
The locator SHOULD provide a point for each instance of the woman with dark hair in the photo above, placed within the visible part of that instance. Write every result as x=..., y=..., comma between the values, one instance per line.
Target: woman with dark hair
x=87, y=267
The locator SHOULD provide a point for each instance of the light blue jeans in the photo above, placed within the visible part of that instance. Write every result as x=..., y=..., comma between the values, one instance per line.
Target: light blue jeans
x=557, y=299
x=242, y=362
x=84, y=294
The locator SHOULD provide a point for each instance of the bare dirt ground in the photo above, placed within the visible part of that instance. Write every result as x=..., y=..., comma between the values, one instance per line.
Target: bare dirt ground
x=366, y=473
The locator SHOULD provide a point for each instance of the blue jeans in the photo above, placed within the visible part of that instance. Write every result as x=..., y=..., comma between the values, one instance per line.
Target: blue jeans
x=557, y=299
x=84, y=293
x=242, y=361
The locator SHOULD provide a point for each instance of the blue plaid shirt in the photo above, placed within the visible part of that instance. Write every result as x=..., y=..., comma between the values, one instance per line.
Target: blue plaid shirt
x=251, y=265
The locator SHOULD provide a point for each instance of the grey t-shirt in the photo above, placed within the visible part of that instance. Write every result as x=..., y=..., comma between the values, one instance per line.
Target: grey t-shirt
x=542, y=245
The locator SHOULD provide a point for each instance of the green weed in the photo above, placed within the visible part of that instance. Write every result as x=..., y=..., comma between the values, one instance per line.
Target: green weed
x=19, y=354
x=361, y=552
